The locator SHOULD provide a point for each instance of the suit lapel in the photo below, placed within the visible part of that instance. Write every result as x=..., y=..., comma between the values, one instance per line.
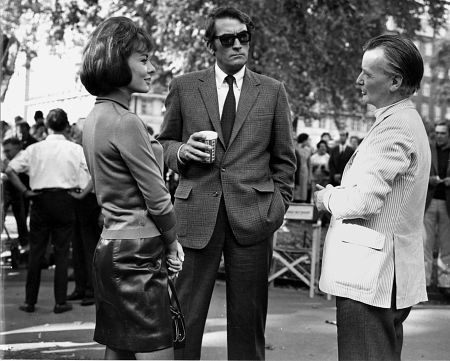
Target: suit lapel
x=208, y=91
x=248, y=96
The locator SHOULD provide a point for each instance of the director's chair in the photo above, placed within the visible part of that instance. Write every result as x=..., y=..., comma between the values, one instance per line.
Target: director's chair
x=302, y=262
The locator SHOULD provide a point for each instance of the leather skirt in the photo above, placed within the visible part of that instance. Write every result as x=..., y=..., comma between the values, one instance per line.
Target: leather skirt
x=132, y=301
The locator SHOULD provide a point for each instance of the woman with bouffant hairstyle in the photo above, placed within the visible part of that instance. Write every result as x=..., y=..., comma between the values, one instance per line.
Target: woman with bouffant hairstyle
x=138, y=249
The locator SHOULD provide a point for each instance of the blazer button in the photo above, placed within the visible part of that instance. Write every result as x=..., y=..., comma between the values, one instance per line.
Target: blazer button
x=222, y=169
x=215, y=194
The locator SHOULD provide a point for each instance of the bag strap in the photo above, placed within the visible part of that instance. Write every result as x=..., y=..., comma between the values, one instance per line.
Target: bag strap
x=174, y=293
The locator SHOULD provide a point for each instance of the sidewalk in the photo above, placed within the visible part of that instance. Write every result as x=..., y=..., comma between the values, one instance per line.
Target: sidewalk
x=298, y=327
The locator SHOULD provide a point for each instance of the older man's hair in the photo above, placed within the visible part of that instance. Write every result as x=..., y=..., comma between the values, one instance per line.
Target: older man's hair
x=403, y=58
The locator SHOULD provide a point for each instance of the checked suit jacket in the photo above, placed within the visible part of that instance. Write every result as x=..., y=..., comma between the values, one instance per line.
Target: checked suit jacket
x=254, y=175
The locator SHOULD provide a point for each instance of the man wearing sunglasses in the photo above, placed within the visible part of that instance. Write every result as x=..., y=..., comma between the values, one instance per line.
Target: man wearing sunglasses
x=230, y=207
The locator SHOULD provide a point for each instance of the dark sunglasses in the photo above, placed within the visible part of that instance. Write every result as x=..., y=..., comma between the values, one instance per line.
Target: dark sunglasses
x=227, y=40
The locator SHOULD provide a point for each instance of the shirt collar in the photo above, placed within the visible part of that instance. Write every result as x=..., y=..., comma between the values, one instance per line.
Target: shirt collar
x=56, y=137
x=378, y=112
x=116, y=96
x=221, y=75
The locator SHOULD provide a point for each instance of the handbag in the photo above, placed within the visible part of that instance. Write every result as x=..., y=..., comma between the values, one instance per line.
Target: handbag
x=179, y=330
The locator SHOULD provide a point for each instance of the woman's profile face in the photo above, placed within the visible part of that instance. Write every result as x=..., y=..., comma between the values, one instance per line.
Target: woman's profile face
x=141, y=72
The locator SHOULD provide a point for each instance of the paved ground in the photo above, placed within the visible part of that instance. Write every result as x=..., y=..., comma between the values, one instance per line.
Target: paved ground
x=298, y=327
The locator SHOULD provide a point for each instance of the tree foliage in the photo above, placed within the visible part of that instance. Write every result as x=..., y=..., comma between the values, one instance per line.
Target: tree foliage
x=313, y=46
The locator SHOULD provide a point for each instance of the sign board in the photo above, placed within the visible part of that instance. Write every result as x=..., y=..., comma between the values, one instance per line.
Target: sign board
x=301, y=211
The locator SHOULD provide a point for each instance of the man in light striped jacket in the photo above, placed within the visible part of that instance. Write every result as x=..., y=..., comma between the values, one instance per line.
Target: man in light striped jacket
x=373, y=259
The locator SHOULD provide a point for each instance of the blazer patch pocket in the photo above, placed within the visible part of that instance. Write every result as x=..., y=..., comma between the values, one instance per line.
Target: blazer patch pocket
x=357, y=255
x=359, y=235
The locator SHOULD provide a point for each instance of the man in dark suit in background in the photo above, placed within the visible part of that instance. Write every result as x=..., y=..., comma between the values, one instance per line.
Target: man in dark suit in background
x=437, y=209
x=233, y=205
x=339, y=157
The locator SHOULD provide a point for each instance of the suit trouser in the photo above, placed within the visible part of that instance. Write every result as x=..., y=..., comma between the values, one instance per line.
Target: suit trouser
x=247, y=269
x=437, y=227
x=52, y=217
x=369, y=333
x=84, y=242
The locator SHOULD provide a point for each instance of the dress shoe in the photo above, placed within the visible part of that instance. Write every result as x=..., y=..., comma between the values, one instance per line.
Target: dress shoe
x=75, y=295
x=63, y=307
x=27, y=308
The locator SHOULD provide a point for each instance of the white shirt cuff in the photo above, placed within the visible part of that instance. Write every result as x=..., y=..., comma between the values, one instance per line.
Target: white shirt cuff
x=326, y=199
x=178, y=153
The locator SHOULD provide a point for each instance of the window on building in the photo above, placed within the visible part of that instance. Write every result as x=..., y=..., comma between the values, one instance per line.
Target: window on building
x=437, y=112
x=426, y=89
x=144, y=108
x=322, y=122
x=356, y=125
x=151, y=106
x=158, y=105
x=425, y=111
x=428, y=48
x=426, y=69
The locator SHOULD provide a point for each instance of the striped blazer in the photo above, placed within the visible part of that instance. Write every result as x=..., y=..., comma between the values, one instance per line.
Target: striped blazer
x=377, y=214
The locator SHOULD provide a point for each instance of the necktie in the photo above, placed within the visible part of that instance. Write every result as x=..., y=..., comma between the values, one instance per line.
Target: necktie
x=229, y=110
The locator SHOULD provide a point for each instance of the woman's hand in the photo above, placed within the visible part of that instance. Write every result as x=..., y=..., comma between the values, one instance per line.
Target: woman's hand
x=175, y=258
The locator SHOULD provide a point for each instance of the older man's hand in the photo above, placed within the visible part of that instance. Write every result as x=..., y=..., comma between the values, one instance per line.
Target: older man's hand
x=321, y=196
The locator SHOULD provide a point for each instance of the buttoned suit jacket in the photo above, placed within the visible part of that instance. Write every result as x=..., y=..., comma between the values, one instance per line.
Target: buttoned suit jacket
x=254, y=175
x=376, y=228
x=434, y=171
x=337, y=161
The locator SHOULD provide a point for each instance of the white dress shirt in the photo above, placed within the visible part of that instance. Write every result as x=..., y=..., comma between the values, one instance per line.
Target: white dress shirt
x=222, y=91
x=222, y=86
x=52, y=163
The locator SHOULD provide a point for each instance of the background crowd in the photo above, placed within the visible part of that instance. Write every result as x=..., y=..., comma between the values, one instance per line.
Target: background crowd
x=322, y=163
x=73, y=231
x=175, y=201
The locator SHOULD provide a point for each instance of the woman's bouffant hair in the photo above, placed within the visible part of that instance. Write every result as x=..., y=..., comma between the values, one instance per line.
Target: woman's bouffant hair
x=105, y=57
